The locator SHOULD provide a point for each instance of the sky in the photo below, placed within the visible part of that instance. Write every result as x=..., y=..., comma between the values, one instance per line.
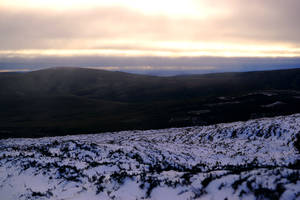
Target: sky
x=47, y=33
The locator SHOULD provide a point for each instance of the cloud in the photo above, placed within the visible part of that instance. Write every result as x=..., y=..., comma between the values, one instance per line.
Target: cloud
x=265, y=20
x=268, y=24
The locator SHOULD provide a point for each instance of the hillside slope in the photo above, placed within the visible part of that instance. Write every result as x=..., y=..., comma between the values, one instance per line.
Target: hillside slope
x=257, y=159
x=62, y=100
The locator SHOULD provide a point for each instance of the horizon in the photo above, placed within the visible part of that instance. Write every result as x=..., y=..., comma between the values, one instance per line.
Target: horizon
x=155, y=65
x=145, y=71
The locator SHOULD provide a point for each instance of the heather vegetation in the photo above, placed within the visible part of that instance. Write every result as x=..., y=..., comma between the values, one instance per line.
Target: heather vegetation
x=61, y=101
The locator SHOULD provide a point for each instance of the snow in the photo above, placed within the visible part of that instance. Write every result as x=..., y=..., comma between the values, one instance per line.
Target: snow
x=273, y=104
x=255, y=159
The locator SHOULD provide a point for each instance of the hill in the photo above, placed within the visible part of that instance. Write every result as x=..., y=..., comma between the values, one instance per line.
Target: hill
x=60, y=101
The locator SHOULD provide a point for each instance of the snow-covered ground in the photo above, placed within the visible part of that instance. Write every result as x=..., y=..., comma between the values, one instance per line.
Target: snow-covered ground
x=256, y=159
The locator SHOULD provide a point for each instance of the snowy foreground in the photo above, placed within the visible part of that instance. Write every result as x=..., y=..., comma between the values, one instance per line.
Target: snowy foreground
x=244, y=160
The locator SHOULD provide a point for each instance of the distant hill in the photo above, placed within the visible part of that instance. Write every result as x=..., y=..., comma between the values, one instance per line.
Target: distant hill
x=60, y=101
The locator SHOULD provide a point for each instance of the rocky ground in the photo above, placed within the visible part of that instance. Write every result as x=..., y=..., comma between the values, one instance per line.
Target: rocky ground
x=257, y=159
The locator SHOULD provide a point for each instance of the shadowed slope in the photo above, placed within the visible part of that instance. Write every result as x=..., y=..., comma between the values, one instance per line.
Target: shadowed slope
x=62, y=100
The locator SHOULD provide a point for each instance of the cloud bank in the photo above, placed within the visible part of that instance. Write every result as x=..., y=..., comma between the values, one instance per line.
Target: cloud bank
x=229, y=28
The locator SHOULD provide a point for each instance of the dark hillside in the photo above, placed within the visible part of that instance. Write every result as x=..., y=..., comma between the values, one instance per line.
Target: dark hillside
x=59, y=101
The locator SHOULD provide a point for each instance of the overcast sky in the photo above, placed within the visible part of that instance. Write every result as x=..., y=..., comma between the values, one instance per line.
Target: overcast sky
x=123, y=29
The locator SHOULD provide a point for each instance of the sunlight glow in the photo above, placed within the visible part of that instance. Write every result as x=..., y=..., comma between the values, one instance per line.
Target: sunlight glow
x=166, y=49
